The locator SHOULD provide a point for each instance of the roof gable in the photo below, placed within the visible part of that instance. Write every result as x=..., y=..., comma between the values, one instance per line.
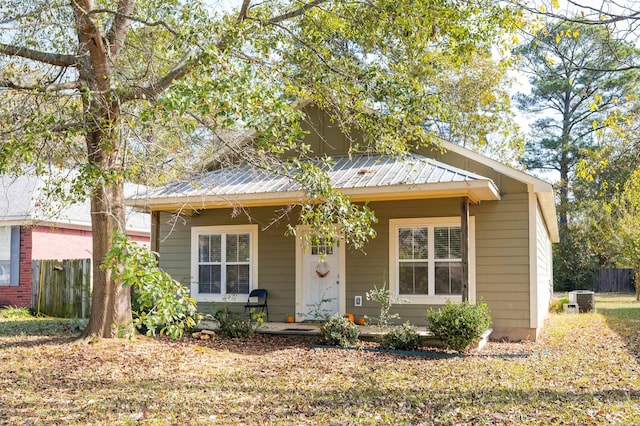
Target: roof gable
x=544, y=190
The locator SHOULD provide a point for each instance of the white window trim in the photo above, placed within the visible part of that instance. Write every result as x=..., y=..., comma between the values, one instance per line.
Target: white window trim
x=196, y=231
x=13, y=267
x=430, y=299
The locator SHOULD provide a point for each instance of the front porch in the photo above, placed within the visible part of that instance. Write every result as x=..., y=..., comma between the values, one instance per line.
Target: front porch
x=367, y=332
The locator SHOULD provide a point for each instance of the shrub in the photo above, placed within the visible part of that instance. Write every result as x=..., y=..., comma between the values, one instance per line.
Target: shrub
x=233, y=325
x=459, y=324
x=160, y=302
x=13, y=312
x=403, y=338
x=557, y=304
x=339, y=331
x=385, y=299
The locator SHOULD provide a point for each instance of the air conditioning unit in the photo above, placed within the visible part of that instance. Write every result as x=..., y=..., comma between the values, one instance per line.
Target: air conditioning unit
x=585, y=299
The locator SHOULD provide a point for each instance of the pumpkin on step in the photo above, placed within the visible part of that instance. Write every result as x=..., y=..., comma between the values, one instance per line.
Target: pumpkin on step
x=350, y=316
x=362, y=321
x=290, y=319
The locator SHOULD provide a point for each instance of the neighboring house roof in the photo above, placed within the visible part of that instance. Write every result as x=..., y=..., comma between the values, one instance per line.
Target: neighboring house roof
x=22, y=198
x=362, y=177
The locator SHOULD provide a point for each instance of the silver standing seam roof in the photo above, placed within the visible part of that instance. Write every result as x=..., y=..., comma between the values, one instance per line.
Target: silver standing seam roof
x=360, y=171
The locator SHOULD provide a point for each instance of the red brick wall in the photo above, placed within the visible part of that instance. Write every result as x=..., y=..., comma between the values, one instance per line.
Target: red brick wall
x=61, y=243
x=21, y=295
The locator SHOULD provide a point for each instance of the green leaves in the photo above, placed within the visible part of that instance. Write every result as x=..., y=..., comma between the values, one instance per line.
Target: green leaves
x=459, y=324
x=339, y=331
x=160, y=303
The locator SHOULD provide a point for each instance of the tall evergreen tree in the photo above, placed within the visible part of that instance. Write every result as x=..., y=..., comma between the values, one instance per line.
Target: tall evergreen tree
x=573, y=97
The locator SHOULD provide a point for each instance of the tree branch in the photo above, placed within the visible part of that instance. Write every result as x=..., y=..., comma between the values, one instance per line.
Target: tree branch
x=297, y=12
x=243, y=11
x=55, y=59
x=95, y=44
x=135, y=19
x=118, y=31
x=153, y=89
x=59, y=87
x=603, y=18
x=185, y=65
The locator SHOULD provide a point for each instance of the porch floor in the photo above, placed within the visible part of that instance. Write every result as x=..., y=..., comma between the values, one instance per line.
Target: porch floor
x=310, y=329
x=367, y=332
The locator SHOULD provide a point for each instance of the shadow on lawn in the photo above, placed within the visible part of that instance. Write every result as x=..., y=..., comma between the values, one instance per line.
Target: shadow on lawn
x=492, y=406
x=624, y=319
x=46, y=327
x=259, y=344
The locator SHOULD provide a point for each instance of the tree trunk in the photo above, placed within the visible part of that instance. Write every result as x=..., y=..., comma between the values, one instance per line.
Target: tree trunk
x=563, y=195
x=111, y=301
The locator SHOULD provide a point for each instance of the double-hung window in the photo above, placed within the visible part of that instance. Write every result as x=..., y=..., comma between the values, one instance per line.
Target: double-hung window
x=223, y=262
x=425, y=259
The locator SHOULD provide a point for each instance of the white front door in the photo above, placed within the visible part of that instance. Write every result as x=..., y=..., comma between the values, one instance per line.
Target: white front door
x=319, y=287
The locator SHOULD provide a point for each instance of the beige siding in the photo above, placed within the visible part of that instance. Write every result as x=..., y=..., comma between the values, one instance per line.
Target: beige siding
x=502, y=257
x=544, y=268
x=502, y=247
x=501, y=240
x=276, y=253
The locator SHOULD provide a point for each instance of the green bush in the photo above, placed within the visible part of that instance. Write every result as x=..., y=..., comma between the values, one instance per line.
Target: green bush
x=159, y=302
x=233, y=325
x=339, y=331
x=403, y=338
x=13, y=312
x=459, y=324
x=557, y=305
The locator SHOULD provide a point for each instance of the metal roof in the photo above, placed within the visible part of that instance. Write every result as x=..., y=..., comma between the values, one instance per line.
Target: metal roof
x=355, y=172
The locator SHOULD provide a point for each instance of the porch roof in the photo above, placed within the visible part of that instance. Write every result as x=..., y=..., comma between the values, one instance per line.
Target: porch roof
x=362, y=177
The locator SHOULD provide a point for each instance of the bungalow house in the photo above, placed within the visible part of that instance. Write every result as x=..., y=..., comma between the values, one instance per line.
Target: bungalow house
x=28, y=231
x=432, y=206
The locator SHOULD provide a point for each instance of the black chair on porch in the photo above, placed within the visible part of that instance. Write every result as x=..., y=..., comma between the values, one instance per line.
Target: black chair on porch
x=260, y=295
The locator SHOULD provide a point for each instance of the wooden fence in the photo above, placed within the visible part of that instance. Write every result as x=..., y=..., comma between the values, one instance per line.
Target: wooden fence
x=62, y=288
x=615, y=280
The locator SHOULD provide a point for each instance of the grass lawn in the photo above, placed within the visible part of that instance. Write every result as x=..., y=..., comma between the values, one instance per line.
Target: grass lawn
x=584, y=370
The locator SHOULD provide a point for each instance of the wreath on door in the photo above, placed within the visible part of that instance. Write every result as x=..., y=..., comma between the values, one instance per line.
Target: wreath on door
x=322, y=269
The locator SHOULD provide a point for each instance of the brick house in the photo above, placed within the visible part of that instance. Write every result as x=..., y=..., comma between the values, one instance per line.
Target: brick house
x=30, y=232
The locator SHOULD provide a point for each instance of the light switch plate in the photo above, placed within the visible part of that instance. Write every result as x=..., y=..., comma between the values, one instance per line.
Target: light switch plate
x=357, y=301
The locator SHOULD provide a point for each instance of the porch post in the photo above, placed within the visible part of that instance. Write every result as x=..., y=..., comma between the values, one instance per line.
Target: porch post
x=155, y=231
x=464, y=246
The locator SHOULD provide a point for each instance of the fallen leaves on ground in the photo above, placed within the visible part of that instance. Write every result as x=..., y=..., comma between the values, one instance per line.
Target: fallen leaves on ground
x=581, y=371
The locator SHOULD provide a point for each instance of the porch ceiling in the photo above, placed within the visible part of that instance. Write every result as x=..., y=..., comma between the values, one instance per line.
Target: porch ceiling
x=363, y=178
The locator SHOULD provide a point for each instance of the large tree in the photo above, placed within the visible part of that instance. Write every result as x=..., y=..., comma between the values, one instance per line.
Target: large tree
x=132, y=88
x=621, y=18
x=573, y=96
x=483, y=119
